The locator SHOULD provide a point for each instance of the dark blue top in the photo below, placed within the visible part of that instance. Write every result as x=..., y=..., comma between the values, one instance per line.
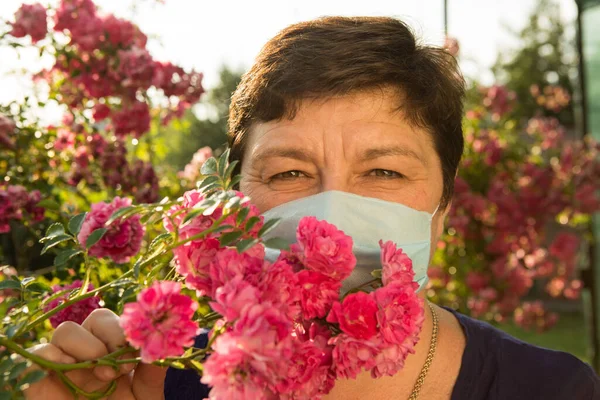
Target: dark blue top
x=495, y=366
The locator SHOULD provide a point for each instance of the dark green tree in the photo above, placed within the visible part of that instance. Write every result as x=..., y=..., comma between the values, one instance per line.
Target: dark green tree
x=545, y=57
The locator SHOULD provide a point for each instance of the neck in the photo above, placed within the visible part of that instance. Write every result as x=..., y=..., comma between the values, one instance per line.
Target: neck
x=397, y=386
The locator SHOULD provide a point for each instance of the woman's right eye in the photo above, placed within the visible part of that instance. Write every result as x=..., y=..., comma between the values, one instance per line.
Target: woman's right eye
x=289, y=175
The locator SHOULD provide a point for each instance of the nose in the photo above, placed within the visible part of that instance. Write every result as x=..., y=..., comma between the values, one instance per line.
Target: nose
x=335, y=179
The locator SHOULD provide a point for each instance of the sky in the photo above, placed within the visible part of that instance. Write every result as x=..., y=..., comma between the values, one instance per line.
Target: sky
x=204, y=35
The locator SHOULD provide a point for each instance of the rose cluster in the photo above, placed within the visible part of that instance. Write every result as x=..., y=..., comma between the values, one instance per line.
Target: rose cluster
x=536, y=176
x=283, y=329
x=16, y=203
x=76, y=312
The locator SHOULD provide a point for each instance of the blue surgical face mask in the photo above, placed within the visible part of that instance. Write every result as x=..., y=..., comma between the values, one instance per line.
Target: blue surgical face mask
x=366, y=220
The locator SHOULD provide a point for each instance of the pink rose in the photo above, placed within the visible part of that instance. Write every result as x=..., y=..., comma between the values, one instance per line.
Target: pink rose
x=323, y=248
x=310, y=374
x=65, y=139
x=390, y=359
x=192, y=261
x=231, y=298
x=134, y=119
x=564, y=246
x=226, y=371
x=477, y=281
x=396, y=265
x=351, y=355
x=136, y=68
x=30, y=19
x=400, y=312
x=356, y=315
x=123, y=238
x=317, y=293
x=229, y=264
x=77, y=312
x=253, y=358
x=101, y=111
x=160, y=322
x=278, y=285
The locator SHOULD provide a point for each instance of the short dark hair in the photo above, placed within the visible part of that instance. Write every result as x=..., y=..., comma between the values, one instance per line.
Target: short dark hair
x=334, y=56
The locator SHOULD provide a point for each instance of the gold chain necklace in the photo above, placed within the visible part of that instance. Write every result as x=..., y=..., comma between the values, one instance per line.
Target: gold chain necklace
x=430, y=354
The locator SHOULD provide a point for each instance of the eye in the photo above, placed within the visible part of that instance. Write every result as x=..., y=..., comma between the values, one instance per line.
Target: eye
x=385, y=173
x=288, y=175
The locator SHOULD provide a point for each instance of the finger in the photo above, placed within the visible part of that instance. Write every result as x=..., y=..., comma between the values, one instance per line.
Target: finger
x=104, y=324
x=50, y=352
x=123, y=391
x=148, y=382
x=78, y=342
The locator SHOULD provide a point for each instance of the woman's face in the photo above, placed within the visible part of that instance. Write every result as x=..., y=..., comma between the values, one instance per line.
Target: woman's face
x=358, y=144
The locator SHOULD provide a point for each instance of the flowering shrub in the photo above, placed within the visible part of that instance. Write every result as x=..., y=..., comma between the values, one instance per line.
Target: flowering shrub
x=112, y=92
x=271, y=333
x=521, y=207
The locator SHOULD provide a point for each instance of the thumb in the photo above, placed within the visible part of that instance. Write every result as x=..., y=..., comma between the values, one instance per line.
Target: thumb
x=148, y=382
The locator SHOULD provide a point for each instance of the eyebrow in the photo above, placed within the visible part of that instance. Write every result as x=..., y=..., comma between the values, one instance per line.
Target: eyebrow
x=373, y=153
x=283, y=152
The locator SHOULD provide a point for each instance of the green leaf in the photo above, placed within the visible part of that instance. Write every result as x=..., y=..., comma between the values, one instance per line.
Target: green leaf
x=268, y=227
x=38, y=287
x=251, y=222
x=65, y=256
x=232, y=203
x=6, y=395
x=193, y=214
x=136, y=268
x=223, y=159
x=376, y=273
x=120, y=213
x=234, y=181
x=209, y=180
x=242, y=214
x=277, y=243
x=48, y=204
x=5, y=365
x=209, y=167
x=230, y=237
x=245, y=244
x=10, y=284
x=53, y=230
x=163, y=237
x=17, y=370
x=27, y=280
x=32, y=377
x=54, y=241
x=230, y=169
x=95, y=237
x=76, y=222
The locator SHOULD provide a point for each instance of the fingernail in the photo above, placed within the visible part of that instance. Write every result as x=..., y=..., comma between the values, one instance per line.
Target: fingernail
x=126, y=368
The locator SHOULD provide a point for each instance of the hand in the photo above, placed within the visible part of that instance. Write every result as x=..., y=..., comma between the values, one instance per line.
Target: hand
x=100, y=334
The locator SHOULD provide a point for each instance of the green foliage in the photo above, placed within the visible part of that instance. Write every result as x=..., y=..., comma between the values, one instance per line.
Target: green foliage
x=545, y=57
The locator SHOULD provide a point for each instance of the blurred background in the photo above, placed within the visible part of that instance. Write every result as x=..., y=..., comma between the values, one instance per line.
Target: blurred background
x=521, y=249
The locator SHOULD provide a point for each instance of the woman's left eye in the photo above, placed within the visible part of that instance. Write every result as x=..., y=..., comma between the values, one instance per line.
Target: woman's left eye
x=385, y=173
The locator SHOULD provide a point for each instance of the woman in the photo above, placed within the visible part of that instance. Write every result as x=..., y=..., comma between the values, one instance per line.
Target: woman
x=351, y=111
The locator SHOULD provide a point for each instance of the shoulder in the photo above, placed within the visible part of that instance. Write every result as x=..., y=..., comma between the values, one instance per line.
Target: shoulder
x=511, y=368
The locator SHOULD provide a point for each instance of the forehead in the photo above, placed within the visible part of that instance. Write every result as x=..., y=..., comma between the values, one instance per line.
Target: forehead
x=350, y=123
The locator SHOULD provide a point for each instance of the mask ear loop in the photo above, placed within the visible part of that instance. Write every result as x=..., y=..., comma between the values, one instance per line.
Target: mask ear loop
x=435, y=211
